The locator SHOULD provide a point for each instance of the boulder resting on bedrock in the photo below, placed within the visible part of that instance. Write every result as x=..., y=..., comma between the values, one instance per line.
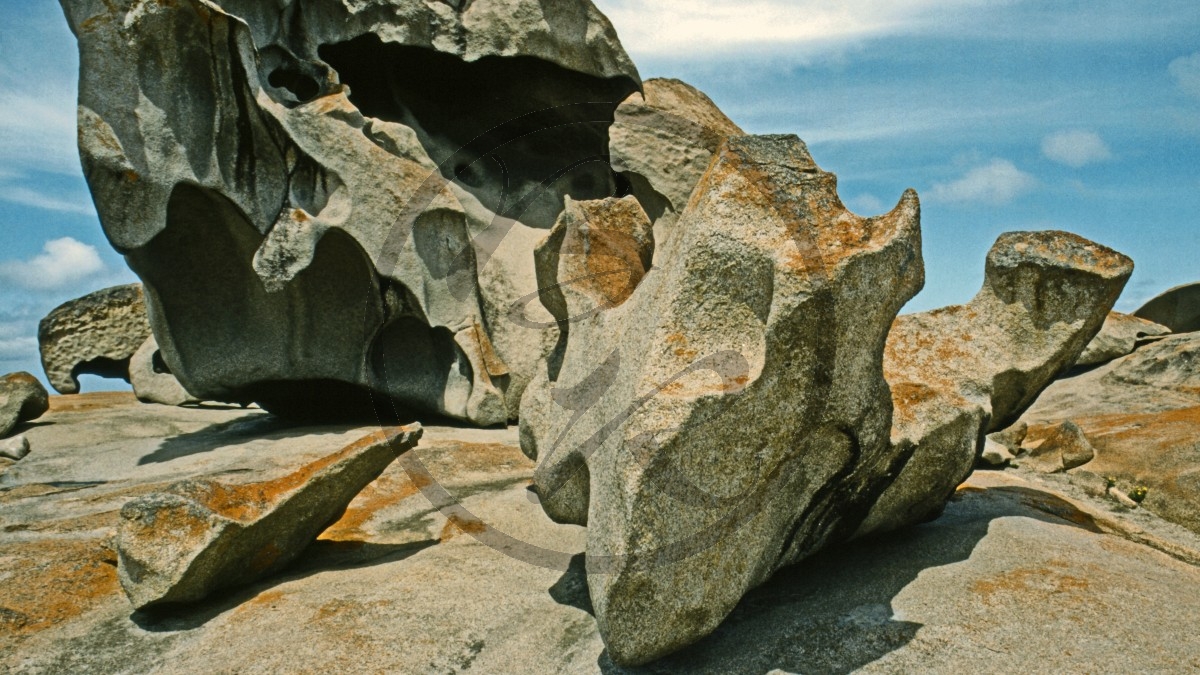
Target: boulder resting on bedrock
x=22, y=398
x=326, y=198
x=201, y=536
x=959, y=373
x=1120, y=335
x=730, y=415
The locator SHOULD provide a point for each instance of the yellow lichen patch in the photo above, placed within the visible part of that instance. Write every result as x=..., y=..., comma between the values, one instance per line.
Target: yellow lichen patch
x=52, y=582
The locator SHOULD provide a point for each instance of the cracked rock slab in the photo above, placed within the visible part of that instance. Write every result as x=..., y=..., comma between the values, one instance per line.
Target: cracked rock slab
x=201, y=536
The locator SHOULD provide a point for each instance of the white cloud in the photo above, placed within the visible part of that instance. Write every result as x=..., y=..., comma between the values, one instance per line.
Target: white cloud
x=1075, y=148
x=681, y=27
x=1186, y=71
x=37, y=131
x=18, y=348
x=62, y=263
x=28, y=197
x=998, y=182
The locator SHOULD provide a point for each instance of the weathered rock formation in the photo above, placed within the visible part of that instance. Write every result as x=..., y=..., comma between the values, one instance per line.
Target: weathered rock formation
x=1120, y=335
x=1172, y=363
x=151, y=379
x=93, y=335
x=730, y=416
x=1177, y=309
x=325, y=198
x=662, y=142
x=198, y=536
x=961, y=372
x=22, y=398
x=1064, y=448
x=107, y=333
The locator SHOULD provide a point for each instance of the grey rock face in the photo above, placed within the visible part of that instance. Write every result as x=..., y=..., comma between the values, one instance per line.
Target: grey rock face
x=960, y=372
x=22, y=398
x=1177, y=309
x=1120, y=335
x=729, y=416
x=201, y=536
x=152, y=381
x=94, y=335
x=325, y=198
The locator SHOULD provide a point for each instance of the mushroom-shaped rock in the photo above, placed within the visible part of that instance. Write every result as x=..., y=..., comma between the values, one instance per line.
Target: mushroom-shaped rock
x=198, y=537
x=326, y=199
x=961, y=372
x=22, y=398
x=729, y=416
x=94, y=335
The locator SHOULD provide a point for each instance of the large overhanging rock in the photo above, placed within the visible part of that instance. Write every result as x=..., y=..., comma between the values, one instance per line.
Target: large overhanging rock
x=324, y=197
x=960, y=372
x=94, y=335
x=198, y=537
x=729, y=416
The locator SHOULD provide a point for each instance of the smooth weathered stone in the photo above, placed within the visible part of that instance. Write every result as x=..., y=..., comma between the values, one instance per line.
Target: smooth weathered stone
x=1177, y=309
x=1120, y=335
x=730, y=416
x=960, y=372
x=201, y=536
x=326, y=199
x=93, y=335
x=152, y=381
x=1172, y=363
x=1012, y=437
x=15, y=448
x=1005, y=578
x=662, y=142
x=1064, y=448
x=996, y=454
x=22, y=398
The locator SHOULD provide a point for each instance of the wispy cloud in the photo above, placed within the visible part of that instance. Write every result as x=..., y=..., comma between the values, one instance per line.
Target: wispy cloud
x=678, y=27
x=998, y=182
x=1186, y=71
x=18, y=348
x=63, y=263
x=1075, y=148
x=29, y=197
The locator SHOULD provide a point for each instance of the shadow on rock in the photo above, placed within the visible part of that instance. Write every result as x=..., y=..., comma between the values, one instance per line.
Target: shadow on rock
x=832, y=613
x=256, y=427
x=321, y=556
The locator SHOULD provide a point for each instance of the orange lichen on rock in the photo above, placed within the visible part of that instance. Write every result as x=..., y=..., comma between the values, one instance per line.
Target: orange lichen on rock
x=50, y=582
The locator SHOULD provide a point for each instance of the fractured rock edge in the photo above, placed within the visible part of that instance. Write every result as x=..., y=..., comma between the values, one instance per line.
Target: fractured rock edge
x=199, y=537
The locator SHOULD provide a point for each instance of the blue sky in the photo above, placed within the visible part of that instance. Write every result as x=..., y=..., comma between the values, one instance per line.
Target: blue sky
x=1003, y=114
